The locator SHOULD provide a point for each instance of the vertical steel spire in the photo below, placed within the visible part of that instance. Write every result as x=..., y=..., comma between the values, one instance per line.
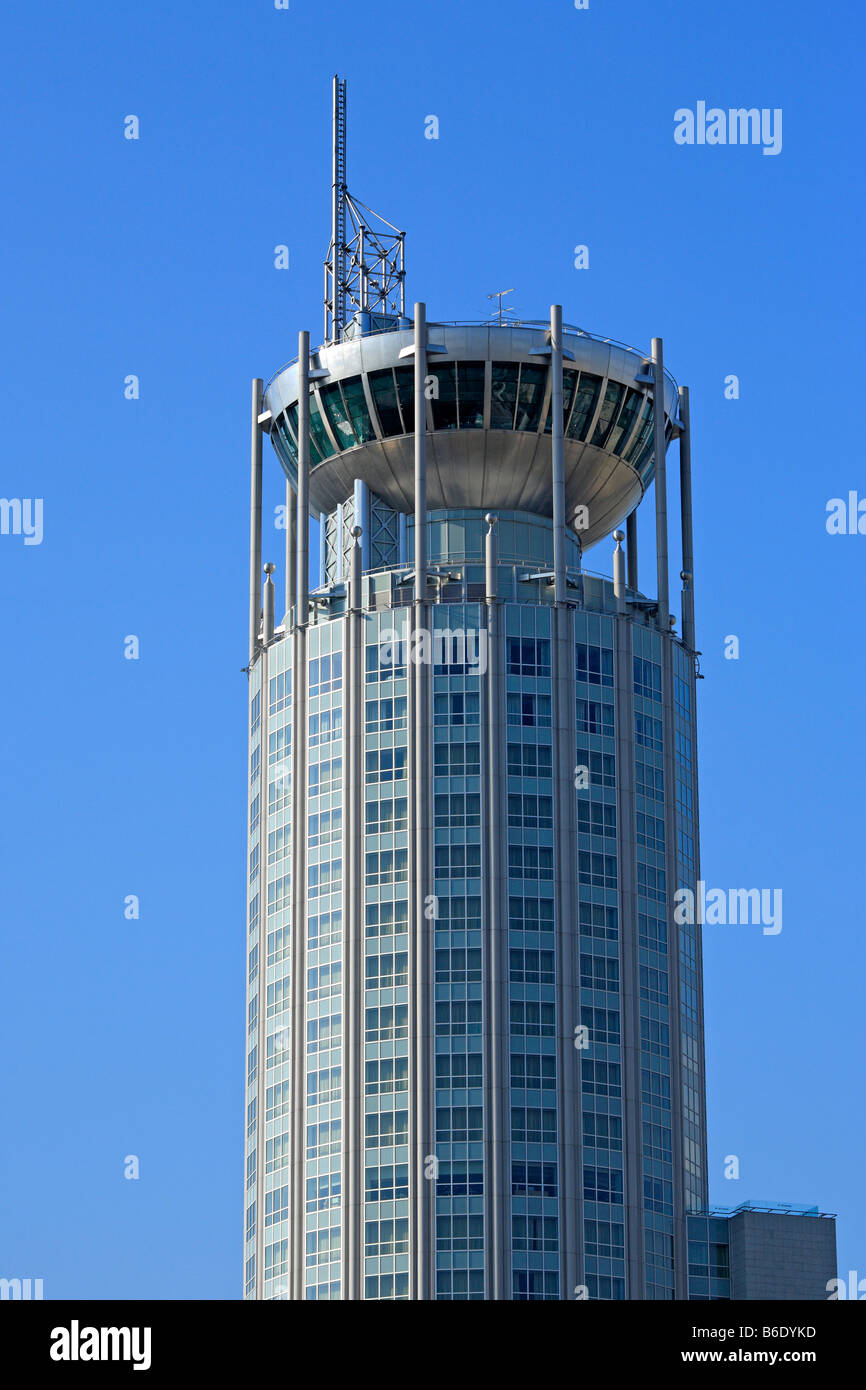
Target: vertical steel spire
x=338, y=216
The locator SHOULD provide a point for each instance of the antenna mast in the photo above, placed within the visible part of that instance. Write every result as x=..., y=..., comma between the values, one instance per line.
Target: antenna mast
x=338, y=215
x=365, y=269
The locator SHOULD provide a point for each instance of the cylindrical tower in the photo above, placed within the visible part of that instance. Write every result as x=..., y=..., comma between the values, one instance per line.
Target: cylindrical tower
x=475, y=1059
x=475, y=1040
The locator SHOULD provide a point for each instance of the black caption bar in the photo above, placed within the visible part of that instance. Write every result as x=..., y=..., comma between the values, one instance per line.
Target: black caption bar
x=156, y=1339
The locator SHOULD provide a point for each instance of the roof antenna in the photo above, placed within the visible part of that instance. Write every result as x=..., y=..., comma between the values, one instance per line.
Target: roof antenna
x=500, y=294
x=337, y=251
x=365, y=271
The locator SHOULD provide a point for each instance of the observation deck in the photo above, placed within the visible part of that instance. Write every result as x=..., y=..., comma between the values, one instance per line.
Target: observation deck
x=488, y=419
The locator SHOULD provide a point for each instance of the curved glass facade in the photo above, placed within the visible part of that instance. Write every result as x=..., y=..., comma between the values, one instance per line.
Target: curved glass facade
x=522, y=538
x=379, y=405
x=505, y=935
x=453, y=535
x=475, y=1059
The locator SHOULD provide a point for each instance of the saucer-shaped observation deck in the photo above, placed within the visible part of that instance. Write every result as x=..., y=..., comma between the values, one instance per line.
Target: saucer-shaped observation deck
x=488, y=418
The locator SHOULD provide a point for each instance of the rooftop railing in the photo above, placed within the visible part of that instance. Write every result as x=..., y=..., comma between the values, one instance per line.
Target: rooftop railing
x=569, y=328
x=770, y=1208
x=462, y=582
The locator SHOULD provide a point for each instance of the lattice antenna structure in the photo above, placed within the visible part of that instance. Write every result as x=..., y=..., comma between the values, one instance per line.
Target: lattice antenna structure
x=365, y=269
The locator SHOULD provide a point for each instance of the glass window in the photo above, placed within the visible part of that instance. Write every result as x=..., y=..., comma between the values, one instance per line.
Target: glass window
x=436, y=532
x=318, y=434
x=530, y=397
x=315, y=452
x=385, y=396
x=595, y=664
x=475, y=538
x=584, y=405
x=644, y=431
x=623, y=427
x=646, y=458
x=569, y=386
x=287, y=439
x=470, y=394
x=331, y=398
x=292, y=417
x=612, y=398
x=528, y=656
x=456, y=537
x=536, y=546
x=405, y=379
x=356, y=405
x=286, y=449
x=444, y=399
x=503, y=395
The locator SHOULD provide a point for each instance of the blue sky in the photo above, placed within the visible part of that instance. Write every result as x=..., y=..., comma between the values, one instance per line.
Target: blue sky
x=155, y=258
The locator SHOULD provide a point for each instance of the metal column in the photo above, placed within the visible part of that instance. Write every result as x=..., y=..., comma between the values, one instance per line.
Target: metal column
x=686, y=518
x=619, y=585
x=299, y=826
x=255, y=515
x=353, y=900
x=422, y=1183
x=661, y=484
x=291, y=552
x=631, y=548
x=566, y=894
x=564, y=744
x=558, y=454
x=362, y=509
x=420, y=454
x=264, y=662
x=303, y=499
x=269, y=600
x=497, y=1186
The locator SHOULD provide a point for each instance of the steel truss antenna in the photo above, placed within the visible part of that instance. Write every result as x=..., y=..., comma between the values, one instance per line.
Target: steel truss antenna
x=365, y=269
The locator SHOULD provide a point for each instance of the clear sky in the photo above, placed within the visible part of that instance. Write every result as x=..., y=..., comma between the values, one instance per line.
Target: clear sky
x=155, y=258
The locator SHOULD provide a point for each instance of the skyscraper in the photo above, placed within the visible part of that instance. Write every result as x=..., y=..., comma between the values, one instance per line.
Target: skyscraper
x=475, y=1037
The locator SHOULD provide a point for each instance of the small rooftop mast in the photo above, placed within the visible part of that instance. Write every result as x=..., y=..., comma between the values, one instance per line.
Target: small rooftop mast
x=365, y=270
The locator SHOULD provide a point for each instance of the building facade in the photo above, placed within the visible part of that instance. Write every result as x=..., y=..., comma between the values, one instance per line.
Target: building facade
x=476, y=1069
x=475, y=1064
